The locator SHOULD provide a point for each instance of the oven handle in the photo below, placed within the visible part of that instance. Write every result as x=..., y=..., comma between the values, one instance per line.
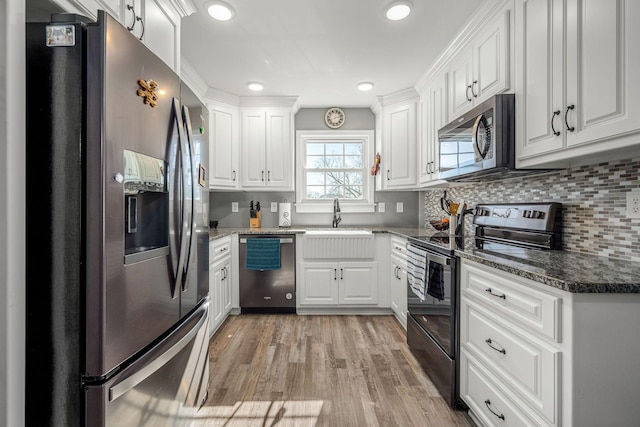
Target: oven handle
x=431, y=256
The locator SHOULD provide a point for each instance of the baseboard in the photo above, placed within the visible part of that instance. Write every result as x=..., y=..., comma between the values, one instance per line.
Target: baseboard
x=364, y=311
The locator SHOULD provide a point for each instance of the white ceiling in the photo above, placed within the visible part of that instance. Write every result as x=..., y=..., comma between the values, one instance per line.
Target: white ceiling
x=319, y=49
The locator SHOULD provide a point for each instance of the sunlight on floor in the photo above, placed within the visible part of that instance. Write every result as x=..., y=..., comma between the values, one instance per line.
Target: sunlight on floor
x=299, y=413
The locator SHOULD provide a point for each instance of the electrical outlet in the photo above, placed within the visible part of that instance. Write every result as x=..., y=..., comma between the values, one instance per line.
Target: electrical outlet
x=381, y=207
x=274, y=206
x=234, y=206
x=633, y=204
x=399, y=207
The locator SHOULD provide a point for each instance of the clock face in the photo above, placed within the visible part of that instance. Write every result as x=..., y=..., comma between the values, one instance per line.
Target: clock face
x=334, y=117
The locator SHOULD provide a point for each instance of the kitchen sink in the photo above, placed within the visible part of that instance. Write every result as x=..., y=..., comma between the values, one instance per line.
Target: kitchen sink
x=338, y=232
x=340, y=243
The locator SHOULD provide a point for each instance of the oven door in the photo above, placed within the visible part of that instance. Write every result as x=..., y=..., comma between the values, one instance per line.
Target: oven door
x=434, y=311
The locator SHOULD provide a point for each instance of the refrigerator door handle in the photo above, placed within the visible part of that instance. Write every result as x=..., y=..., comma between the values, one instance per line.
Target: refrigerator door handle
x=188, y=155
x=179, y=169
x=136, y=378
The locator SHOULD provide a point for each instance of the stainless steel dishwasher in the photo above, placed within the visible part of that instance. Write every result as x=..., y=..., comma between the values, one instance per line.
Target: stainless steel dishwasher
x=269, y=291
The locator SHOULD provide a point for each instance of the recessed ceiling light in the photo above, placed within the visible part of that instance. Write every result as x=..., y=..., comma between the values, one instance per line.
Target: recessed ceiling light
x=365, y=86
x=257, y=87
x=398, y=10
x=220, y=10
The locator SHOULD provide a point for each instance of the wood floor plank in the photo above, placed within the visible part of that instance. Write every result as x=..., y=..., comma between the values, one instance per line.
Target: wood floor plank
x=289, y=370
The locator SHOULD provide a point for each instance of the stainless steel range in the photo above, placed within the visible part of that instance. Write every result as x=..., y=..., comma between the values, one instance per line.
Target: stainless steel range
x=433, y=282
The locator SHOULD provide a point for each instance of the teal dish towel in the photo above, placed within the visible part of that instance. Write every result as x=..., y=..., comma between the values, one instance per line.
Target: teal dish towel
x=263, y=254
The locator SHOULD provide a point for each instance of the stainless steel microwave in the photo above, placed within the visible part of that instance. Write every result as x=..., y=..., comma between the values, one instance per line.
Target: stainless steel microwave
x=480, y=145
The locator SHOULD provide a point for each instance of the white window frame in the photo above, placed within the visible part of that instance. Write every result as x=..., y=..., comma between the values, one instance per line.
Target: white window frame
x=366, y=204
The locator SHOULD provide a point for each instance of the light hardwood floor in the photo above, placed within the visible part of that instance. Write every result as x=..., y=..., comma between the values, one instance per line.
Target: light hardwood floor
x=289, y=370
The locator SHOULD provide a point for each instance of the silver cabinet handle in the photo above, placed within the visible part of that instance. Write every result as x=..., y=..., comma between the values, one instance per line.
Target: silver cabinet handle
x=475, y=82
x=262, y=176
x=234, y=175
x=335, y=274
x=269, y=176
x=466, y=94
x=341, y=275
x=388, y=171
x=490, y=344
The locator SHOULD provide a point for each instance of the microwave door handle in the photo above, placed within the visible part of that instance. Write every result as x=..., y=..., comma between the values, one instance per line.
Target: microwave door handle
x=481, y=123
x=190, y=187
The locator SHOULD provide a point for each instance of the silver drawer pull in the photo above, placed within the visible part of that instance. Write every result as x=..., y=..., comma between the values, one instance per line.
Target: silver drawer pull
x=503, y=296
x=488, y=403
x=499, y=350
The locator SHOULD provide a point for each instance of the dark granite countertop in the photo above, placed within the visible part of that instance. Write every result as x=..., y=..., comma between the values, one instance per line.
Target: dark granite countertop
x=568, y=271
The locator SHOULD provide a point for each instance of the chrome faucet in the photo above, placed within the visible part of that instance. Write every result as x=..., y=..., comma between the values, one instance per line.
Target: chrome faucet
x=336, y=213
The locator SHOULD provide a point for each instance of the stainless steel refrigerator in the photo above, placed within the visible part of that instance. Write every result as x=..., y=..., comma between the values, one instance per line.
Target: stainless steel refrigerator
x=117, y=231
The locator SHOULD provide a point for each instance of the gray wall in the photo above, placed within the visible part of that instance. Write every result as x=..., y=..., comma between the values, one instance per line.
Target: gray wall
x=313, y=119
x=355, y=119
x=593, y=204
x=220, y=210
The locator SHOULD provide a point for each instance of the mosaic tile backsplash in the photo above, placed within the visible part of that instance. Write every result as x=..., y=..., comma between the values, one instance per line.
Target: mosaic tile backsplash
x=593, y=204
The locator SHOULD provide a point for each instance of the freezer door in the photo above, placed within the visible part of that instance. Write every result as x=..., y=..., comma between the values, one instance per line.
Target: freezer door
x=165, y=387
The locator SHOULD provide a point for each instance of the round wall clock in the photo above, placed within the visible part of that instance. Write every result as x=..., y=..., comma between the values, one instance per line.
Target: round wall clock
x=334, y=117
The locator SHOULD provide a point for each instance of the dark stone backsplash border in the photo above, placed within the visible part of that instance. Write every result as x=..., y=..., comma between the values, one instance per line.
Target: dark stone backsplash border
x=593, y=204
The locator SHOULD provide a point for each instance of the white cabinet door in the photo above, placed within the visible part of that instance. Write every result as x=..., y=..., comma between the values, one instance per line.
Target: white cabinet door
x=226, y=287
x=425, y=149
x=267, y=150
x=460, y=70
x=162, y=32
x=603, y=69
x=434, y=119
x=358, y=283
x=482, y=70
x=320, y=283
x=491, y=59
x=540, y=73
x=254, y=139
x=216, y=275
x=400, y=143
x=398, y=284
x=279, y=150
x=223, y=148
x=577, y=67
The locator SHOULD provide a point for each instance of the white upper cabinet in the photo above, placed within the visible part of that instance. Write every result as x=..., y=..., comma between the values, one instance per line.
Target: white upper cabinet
x=267, y=149
x=396, y=122
x=223, y=147
x=155, y=22
x=162, y=31
x=482, y=68
x=432, y=115
x=577, y=71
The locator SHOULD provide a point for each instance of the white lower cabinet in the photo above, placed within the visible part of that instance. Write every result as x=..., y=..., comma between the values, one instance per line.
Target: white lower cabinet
x=490, y=402
x=338, y=283
x=534, y=355
x=398, y=279
x=220, y=282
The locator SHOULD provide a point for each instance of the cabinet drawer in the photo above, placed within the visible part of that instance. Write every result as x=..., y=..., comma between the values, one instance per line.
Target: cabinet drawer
x=399, y=248
x=219, y=248
x=514, y=297
x=489, y=401
x=525, y=363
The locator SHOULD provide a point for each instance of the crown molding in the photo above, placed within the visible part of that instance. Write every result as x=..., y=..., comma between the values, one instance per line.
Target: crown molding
x=269, y=101
x=191, y=77
x=183, y=7
x=403, y=95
